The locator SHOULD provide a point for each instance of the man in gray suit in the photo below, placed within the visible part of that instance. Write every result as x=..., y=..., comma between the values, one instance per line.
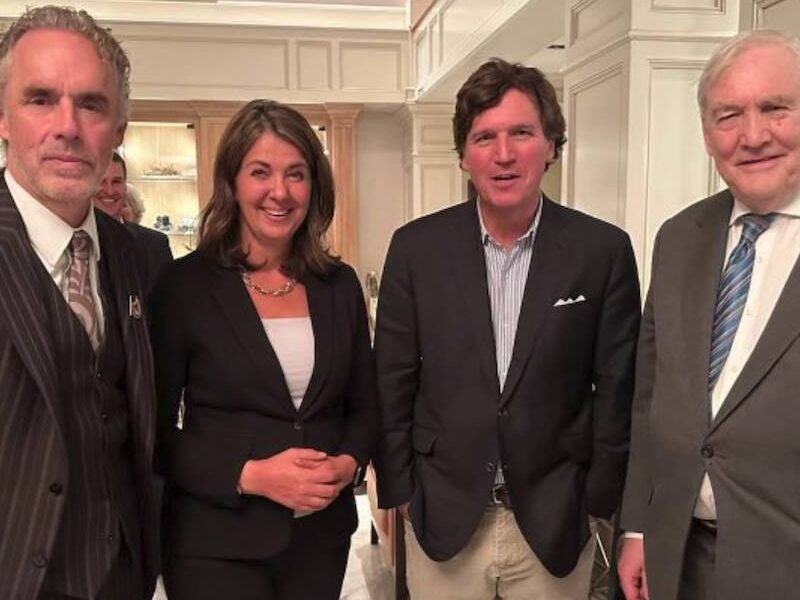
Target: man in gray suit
x=77, y=502
x=713, y=480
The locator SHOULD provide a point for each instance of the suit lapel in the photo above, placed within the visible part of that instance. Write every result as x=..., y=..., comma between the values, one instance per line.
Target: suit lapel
x=782, y=328
x=23, y=304
x=469, y=263
x=544, y=275
x=706, y=257
x=235, y=304
x=320, y=308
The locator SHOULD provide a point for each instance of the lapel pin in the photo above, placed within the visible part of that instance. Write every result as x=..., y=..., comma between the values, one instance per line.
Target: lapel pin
x=134, y=307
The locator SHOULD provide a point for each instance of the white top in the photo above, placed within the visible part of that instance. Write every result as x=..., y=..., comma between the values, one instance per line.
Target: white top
x=777, y=250
x=50, y=237
x=293, y=342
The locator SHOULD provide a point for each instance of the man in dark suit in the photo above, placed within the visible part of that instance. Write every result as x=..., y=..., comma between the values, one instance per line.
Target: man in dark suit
x=505, y=339
x=111, y=199
x=77, y=506
x=713, y=481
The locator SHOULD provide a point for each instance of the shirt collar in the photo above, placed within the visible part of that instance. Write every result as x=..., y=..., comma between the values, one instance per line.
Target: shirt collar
x=486, y=236
x=790, y=209
x=49, y=234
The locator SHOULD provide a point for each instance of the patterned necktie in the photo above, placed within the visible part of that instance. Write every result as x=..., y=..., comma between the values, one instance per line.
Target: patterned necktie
x=79, y=286
x=732, y=294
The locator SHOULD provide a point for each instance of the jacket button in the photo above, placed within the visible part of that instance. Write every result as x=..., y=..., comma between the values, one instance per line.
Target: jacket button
x=40, y=561
x=56, y=488
x=298, y=426
x=707, y=451
x=503, y=412
x=490, y=468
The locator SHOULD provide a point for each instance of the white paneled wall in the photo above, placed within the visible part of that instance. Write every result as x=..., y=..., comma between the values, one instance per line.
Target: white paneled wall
x=636, y=153
x=202, y=62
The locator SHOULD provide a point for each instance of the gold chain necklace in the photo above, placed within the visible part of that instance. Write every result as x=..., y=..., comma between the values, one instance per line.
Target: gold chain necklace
x=276, y=293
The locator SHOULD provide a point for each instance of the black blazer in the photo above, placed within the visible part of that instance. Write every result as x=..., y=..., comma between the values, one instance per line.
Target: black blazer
x=561, y=425
x=154, y=250
x=210, y=345
x=32, y=426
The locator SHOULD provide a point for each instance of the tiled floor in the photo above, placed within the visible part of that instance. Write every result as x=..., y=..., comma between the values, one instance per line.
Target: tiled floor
x=366, y=578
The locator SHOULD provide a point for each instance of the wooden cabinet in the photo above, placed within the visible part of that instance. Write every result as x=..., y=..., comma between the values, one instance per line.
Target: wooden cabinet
x=162, y=165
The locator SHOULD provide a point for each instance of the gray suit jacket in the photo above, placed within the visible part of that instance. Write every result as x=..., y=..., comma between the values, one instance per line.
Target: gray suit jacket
x=751, y=448
x=32, y=450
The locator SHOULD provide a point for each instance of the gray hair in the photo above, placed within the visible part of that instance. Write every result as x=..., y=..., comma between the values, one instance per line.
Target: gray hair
x=730, y=50
x=77, y=21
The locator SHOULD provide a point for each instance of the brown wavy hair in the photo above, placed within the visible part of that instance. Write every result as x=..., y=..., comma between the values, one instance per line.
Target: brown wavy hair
x=485, y=89
x=219, y=230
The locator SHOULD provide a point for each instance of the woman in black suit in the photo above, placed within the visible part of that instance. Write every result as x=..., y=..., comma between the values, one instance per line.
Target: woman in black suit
x=261, y=334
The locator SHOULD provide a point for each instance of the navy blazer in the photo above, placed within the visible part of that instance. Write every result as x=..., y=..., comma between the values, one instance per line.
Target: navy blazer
x=210, y=348
x=560, y=424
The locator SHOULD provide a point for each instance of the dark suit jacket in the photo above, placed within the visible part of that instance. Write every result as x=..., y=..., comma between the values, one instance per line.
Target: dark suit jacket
x=751, y=446
x=209, y=343
x=32, y=445
x=561, y=424
x=155, y=251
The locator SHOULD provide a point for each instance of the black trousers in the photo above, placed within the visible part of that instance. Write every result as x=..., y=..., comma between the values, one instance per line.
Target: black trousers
x=310, y=568
x=697, y=579
x=123, y=582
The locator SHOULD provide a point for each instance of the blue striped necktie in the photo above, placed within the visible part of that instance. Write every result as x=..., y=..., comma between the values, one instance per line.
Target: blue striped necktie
x=732, y=294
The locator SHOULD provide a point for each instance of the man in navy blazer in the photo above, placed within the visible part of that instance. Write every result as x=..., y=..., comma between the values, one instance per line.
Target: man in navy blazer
x=505, y=342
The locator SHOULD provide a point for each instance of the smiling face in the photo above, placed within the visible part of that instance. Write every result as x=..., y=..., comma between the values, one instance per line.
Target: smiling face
x=273, y=191
x=751, y=126
x=506, y=153
x=60, y=117
x=110, y=198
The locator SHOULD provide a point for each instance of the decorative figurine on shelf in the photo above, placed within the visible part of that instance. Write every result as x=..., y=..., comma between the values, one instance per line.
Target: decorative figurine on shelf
x=163, y=223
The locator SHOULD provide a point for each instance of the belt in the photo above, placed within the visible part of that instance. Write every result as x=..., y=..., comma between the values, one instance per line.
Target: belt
x=499, y=496
x=707, y=525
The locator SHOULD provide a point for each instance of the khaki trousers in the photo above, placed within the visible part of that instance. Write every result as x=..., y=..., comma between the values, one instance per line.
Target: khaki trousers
x=497, y=563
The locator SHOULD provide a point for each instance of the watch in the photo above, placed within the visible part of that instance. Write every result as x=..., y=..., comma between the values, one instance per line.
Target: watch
x=360, y=475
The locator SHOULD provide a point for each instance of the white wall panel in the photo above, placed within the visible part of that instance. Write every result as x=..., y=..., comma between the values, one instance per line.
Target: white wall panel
x=370, y=66
x=590, y=16
x=314, y=65
x=192, y=62
x=165, y=63
x=380, y=180
x=597, y=144
x=777, y=14
x=678, y=170
x=439, y=185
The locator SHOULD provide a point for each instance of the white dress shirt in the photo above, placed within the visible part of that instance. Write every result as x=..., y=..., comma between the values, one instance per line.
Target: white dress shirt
x=50, y=237
x=777, y=250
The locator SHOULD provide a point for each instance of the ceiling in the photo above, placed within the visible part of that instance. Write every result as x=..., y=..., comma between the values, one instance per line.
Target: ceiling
x=392, y=3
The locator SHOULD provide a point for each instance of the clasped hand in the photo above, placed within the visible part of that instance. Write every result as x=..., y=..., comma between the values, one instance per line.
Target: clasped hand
x=298, y=478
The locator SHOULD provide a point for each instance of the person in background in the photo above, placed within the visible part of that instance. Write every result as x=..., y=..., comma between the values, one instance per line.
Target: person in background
x=112, y=197
x=133, y=210
x=78, y=502
x=712, y=482
x=505, y=343
x=261, y=334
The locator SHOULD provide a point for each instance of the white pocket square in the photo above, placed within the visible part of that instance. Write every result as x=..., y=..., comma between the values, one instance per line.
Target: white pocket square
x=562, y=302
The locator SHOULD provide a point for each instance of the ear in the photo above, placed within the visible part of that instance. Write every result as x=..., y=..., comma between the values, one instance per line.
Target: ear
x=551, y=152
x=119, y=134
x=706, y=138
x=3, y=125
